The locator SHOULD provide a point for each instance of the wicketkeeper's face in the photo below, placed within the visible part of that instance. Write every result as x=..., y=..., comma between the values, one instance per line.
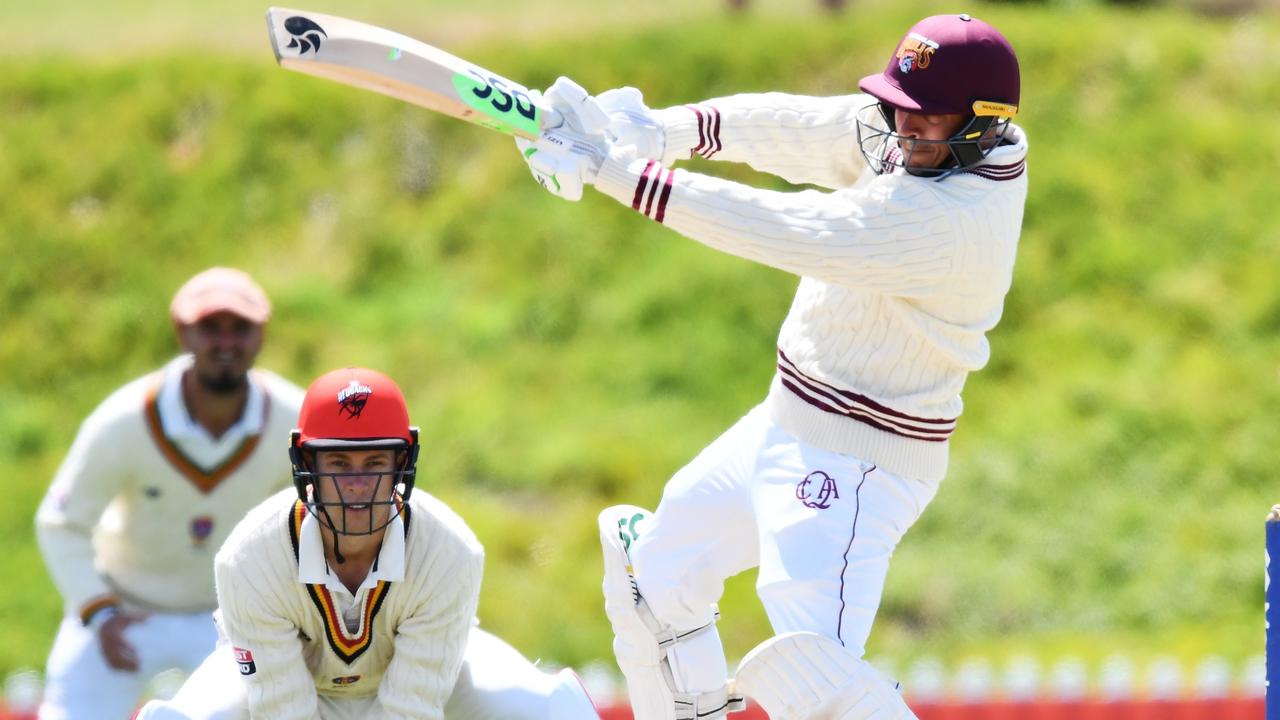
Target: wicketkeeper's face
x=355, y=488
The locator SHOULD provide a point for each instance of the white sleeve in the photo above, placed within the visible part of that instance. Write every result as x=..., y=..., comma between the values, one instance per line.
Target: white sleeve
x=897, y=235
x=799, y=138
x=249, y=588
x=430, y=645
x=90, y=477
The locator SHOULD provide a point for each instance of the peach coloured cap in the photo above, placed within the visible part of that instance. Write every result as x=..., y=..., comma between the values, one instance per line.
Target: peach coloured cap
x=220, y=289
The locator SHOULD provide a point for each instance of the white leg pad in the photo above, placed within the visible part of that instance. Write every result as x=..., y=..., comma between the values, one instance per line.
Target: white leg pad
x=641, y=643
x=806, y=676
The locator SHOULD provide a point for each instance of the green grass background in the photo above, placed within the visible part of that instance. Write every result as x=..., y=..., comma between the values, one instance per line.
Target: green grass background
x=1114, y=463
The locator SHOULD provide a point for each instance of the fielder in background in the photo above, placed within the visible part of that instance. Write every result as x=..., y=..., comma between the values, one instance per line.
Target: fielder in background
x=156, y=479
x=903, y=266
x=354, y=595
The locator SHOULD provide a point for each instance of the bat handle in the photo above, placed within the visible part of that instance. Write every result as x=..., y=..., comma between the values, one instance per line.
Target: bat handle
x=551, y=119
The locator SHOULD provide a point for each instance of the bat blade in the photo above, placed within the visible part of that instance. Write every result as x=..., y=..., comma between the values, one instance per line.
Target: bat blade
x=386, y=62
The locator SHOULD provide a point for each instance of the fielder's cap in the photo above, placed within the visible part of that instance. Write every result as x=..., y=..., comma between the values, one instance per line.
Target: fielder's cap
x=950, y=64
x=220, y=289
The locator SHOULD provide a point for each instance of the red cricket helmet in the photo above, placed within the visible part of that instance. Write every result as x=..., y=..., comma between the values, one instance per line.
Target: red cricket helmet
x=353, y=409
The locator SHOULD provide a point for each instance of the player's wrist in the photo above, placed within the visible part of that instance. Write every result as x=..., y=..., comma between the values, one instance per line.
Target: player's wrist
x=681, y=130
x=620, y=173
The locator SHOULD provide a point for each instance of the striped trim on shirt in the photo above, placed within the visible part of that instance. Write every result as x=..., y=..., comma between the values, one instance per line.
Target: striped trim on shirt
x=91, y=609
x=204, y=480
x=829, y=398
x=708, y=131
x=653, y=191
x=1000, y=172
x=345, y=645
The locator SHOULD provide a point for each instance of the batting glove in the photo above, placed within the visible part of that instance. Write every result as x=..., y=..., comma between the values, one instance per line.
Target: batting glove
x=580, y=112
x=564, y=163
x=632, y=123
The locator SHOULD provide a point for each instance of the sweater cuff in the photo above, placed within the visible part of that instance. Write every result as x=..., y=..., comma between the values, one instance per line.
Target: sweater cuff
x=645, y=185
x=680, y=125
x=691, y=130
x=98, y=608
x=619, y=176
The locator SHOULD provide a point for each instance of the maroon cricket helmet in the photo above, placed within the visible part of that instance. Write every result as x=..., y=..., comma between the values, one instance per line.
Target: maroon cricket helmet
x=947, y=63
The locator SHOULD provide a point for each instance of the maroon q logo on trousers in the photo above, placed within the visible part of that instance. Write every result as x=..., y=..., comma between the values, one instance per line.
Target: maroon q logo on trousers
x=817, y=490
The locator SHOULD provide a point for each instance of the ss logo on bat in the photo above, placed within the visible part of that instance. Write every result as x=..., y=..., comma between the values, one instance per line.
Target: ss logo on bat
x=502, y=98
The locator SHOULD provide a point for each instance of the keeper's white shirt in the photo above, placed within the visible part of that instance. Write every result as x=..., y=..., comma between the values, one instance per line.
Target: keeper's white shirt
x=145, y=496
x=901, y=276
x=299, y=634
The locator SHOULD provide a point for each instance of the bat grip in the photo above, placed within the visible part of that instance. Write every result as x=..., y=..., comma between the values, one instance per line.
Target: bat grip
x=551, y=119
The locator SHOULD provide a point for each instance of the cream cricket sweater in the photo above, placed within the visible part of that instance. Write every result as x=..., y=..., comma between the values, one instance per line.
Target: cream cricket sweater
x=292, y=641
x=145, y=497
x=901, y=277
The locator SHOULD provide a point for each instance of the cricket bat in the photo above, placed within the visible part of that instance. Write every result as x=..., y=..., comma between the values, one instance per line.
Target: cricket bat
x=377, y=59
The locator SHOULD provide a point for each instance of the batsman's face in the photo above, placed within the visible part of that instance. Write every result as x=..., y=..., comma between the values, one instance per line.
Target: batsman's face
x=356, y=487
x=224, y=346
x=922, y=138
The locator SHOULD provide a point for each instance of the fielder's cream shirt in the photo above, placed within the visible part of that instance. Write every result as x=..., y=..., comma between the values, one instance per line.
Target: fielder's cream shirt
x=145, y=496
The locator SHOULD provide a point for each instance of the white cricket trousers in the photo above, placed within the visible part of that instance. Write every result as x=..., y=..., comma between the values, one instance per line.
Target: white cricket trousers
x=496, y=683
x=80, y=685
x=820, y=525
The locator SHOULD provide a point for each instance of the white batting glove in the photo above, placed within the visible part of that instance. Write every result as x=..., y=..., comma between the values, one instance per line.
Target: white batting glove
x=581, y=113
x=564, y=163
x=632, y=123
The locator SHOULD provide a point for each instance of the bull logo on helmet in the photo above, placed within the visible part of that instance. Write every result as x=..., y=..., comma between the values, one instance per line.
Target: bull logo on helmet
x=915, y=52
x=352, y=398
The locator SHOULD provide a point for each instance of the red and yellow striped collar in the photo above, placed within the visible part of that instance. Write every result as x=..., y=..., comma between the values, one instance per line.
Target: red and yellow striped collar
x=346, y=645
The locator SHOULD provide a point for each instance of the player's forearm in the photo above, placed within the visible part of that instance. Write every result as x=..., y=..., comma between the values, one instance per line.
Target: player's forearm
x=800, y=138
x=88, y=479
x=890, y=246
x=272, y=667
x=265, y=641
x=430, y=648
x=423, y=671
x=68, y=554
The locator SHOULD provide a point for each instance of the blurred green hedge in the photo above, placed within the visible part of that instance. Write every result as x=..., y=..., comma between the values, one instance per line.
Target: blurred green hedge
x=1111, y=470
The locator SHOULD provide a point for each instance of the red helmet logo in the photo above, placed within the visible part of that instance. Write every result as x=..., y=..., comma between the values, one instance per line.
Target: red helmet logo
x=353, y=398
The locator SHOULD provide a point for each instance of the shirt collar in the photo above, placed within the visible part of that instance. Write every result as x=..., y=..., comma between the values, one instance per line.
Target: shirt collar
x=176, y=419
x=314, y=570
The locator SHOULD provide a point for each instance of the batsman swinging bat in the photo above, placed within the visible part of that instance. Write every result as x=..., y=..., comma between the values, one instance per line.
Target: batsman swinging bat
x=386, y=62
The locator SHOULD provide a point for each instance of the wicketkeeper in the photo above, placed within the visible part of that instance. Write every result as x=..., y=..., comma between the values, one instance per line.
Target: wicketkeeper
x=353, y=596
x=904, y=263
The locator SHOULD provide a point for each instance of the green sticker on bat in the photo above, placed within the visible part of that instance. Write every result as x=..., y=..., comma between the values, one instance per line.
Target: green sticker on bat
x=502, y=100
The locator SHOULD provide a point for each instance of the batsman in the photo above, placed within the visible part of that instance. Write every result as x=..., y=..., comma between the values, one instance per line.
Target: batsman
x=904, y=261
